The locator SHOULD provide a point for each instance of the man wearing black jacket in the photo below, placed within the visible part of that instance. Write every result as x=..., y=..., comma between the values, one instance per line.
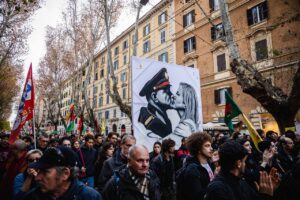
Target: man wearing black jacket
x=134, y=181
x=116, y=162
x=229, y=183
x=196, y=172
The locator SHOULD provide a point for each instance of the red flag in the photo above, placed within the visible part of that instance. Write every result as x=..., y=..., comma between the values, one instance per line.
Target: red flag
x=26, y=107
x=80, y=124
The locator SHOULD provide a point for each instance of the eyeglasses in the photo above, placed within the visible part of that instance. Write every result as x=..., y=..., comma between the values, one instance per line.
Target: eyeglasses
x=67, y=145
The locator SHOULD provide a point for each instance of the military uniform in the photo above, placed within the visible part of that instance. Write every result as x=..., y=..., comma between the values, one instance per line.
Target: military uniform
x=148, y=115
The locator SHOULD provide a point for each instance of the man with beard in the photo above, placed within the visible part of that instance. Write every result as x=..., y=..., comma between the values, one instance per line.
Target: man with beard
x=229, y=184
x=196, y=173
x=158, y=94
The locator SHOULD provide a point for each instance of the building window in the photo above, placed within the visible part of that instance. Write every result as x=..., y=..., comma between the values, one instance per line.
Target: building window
x=124, y=59
x=162, y=18
x=257, y=13
x=107, y=99
x=83, y=72
x=214, y=5
x=100, y=103
x=163, y=57
x=146, y=30
x=146, y=46
x=220, y=95
x=103, y=60
x=189, y=18
x=124, y=93
x=107, y=114
x=101, y=73
x=96, y=66
x=221, y=62
x=115, y=113
x=96, y=76
x=123, y=77
x=261, y=50
x=100, y=115
x=101, y=87
x=217, y=32
x=116, y=64
x=191, y=66
x=134, y=39
x=162, y=36
x=94, y=102
x=189, y=44
x=116, y=51
x=125, y=44
x=95, y=90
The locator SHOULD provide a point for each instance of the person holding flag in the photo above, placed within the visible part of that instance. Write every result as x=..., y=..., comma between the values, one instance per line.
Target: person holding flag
x=26, y=108
x=231, y=111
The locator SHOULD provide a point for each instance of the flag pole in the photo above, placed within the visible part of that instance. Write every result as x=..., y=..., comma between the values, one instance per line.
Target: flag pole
x=33, y=129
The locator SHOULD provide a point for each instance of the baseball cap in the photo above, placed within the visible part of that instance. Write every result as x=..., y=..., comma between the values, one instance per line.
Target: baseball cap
x=53, y=157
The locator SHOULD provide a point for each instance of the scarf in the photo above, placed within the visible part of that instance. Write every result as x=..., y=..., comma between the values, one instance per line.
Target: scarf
x=141, y=183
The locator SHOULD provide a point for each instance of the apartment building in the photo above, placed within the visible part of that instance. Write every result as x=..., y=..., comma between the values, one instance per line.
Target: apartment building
x=154, y=40
x=267, y=37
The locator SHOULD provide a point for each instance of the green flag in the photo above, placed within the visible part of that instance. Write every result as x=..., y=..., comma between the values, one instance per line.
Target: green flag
x=231, y=111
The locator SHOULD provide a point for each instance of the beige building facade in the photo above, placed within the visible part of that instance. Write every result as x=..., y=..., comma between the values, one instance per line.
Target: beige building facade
x=264, y=38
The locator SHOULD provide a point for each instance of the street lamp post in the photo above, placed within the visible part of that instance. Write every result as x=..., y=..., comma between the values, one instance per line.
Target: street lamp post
x=141, y=4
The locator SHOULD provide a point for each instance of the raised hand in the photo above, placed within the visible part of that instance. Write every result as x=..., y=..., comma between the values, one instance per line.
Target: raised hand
x=265, y=184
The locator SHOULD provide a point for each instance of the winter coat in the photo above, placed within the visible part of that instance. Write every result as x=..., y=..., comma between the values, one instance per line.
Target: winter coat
x=194, y=182
x=77, y=191
x=89, y=157
x=109, y=166
x=121, y=187
x=226, y=186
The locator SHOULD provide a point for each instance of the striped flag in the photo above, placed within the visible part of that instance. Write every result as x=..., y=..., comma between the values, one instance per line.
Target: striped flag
x=26, y=107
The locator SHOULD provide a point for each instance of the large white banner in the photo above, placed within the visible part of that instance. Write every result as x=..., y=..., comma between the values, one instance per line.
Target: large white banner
x=166, y=101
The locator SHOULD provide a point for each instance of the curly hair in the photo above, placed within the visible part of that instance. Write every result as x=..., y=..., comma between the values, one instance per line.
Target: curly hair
x=166, y=144
x=195, y=142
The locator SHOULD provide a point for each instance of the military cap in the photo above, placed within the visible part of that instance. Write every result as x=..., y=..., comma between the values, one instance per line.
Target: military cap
x=159, y=81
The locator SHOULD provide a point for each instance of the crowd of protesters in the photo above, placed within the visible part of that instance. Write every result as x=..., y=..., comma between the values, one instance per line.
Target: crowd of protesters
x=206, y=166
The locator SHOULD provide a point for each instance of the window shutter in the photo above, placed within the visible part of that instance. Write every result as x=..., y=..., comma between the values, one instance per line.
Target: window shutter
x=217, y=97
x=265, y=9
x=185, y=46
x=193, y=16
x=212, y=4
x=221, y=62
x=261, y=50
x=159, y=19
x=184, y=20
x=167, y=59
x=213, y=33
x=249, y=17
x=229, y=90
x=194, y=42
